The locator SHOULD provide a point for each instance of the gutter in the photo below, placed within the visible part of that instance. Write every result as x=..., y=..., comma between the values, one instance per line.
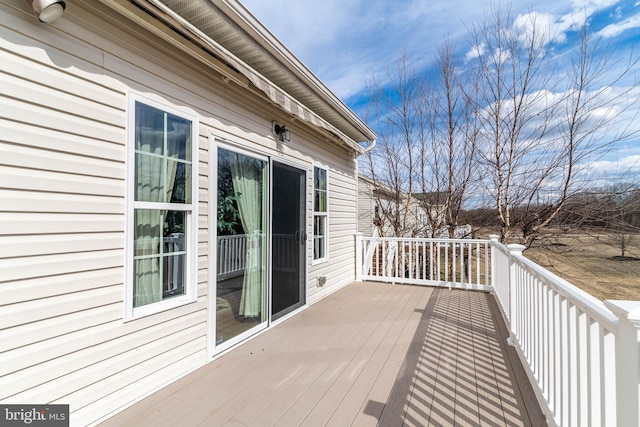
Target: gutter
x=371, y=145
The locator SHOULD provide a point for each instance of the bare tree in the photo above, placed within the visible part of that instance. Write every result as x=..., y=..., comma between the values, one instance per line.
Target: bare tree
x=539, y=127
x=612, y=212
x=514, y=120
x=424, y=160
x=447, y=165
x=513, y=69
x=392, y=165
x=625, y=215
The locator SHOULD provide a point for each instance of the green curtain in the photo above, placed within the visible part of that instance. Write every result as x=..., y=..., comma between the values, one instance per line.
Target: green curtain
x=160, y=138
x=148, y=231
x=249, y=177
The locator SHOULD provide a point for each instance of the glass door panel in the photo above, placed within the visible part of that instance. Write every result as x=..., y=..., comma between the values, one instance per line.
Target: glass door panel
x=241, y=282
x=288, y=241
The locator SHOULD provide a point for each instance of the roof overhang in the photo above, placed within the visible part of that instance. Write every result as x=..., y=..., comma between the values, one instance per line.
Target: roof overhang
x=232, y=35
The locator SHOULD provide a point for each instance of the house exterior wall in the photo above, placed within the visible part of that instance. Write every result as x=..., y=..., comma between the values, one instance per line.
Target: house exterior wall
x=366, y=207
x=63, y=157
x=423, y=219
x=370, y=196
x=339, y=270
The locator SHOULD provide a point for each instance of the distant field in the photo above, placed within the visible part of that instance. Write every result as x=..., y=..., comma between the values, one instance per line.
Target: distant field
x=592, y=262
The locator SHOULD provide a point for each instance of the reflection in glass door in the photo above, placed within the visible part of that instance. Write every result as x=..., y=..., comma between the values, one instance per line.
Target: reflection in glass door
x=241, y=282
x=288, y=240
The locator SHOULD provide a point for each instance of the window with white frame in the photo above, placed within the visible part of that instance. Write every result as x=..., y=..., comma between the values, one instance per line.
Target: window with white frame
x=320, y=213
x=161, y=208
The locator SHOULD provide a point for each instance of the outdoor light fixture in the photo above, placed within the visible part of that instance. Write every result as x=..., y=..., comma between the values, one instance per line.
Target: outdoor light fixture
x=48, y=10
x=282, y=131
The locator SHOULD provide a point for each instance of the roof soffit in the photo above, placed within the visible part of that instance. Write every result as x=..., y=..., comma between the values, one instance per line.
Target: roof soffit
x=229, y=24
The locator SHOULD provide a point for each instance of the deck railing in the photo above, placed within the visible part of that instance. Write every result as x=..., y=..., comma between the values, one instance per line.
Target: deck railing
x=232, y=253
x=455, y=263
x=581, y=354
x=173, y=277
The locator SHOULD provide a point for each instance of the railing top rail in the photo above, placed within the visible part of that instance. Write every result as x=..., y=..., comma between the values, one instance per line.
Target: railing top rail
x=501, y=246
x=425, y=239
x=581, y=299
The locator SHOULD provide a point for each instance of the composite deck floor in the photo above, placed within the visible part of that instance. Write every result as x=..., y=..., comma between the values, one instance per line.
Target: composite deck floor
x=369, y=354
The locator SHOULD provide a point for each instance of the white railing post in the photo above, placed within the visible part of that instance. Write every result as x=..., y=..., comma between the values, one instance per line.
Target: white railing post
x=627, y=362
x=358, y=237
x=500, y=274
x=515, y=250
x=494, y=258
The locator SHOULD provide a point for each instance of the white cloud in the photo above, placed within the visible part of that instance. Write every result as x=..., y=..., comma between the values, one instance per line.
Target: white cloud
x=592, y=6
x=547, y=27
x=345, y=42
x=476, y=51
x=614, y=30
x=303, y=26
x=625, y=168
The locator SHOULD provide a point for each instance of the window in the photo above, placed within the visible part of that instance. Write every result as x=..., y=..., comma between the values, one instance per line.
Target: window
x=320, y=202
x=377, y=221
x=161, y=208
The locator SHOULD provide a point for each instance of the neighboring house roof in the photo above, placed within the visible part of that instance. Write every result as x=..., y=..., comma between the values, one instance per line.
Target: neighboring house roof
x=228, y=31
x=431, y=198
x=378, y=188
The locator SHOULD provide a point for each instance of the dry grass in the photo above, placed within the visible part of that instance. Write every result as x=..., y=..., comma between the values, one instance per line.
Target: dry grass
x=592, y=262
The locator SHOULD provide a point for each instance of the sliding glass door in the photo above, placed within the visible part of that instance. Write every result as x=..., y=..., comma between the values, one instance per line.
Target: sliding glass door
x=288, y=241
x=241, y=281
x=260, y=244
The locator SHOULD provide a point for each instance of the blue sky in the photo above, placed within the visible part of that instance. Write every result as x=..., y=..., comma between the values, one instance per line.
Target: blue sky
x=346, y=42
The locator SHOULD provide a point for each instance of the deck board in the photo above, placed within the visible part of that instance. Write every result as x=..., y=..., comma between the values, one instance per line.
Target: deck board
x=369, y=354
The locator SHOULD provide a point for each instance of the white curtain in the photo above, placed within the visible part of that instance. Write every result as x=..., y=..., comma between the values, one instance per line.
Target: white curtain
x=248, y=176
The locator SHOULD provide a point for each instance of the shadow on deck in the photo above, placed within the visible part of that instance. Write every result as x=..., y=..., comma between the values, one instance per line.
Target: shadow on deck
x=369, y=354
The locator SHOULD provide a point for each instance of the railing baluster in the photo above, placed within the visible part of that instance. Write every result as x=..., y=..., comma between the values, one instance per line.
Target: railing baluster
x=384, y=259
x=462, y=268
x=424, y=260
x=595, y=379
x=572, y=356
x=608, y=379
x=395, y=260
x=583, y=373
x=452, y=270
x=557, y=368
x=446, y=261
x=469, y=262
x=545, y=341
x=431, y=257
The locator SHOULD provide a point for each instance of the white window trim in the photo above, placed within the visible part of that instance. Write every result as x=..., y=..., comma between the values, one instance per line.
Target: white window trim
x=314, y=260
x=191, y=280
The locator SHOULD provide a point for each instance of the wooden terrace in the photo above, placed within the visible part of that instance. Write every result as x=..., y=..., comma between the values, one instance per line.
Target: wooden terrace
x=369, y=354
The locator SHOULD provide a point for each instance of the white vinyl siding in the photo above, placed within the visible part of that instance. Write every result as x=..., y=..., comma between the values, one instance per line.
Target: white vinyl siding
x=63, y=240
x=339, y=270
x=62, y=220
x=366, y=207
